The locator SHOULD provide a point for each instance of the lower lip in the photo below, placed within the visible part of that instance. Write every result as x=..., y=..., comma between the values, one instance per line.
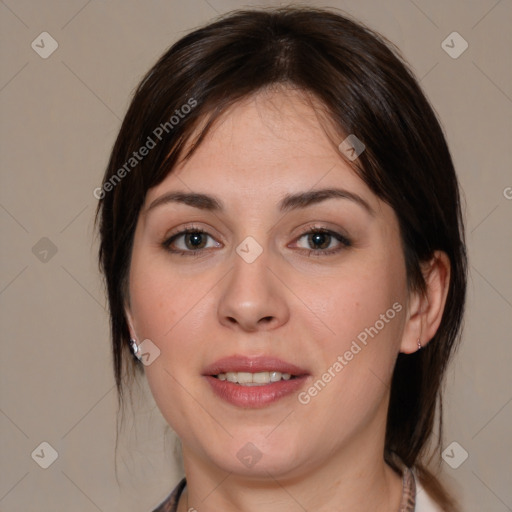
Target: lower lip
x=254, y=396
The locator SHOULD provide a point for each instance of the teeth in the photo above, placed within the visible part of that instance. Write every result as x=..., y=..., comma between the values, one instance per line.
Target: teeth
x=261, y=378
x=244, y=378
x=253, y=379
x=275, y=376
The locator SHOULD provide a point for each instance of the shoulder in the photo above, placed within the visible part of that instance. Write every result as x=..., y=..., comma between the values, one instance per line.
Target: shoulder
x=170, y=504
x=424, y=503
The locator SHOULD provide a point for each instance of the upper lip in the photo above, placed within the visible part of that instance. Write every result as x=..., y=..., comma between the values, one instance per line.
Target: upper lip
x=239, y=363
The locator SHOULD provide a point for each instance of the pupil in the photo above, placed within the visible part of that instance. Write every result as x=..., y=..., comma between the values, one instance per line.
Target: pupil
x=321, y=239
x=194, y=240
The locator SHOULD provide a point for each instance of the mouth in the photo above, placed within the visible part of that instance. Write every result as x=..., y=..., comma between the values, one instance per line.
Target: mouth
x=254, y=382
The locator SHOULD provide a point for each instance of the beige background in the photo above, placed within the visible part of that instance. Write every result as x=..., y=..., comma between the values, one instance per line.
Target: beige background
x=59, y=117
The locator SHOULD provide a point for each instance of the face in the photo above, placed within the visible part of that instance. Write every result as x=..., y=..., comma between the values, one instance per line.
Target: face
x=278, y=310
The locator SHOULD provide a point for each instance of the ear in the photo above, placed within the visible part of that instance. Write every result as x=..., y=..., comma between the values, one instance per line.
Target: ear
x=425, y=310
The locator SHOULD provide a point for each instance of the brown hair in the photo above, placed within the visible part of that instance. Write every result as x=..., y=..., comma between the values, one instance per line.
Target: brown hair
x=365, y=88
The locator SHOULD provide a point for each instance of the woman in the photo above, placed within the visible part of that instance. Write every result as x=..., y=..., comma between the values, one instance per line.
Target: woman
x=282, y=242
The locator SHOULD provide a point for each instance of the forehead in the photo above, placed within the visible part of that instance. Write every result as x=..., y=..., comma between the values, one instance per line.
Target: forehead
x=273, y=140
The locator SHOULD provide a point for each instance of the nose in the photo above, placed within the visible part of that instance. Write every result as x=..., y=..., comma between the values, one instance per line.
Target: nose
x=252, y=297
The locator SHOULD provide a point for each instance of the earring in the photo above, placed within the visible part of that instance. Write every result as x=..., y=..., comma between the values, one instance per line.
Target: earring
x=419, y=344
x=135, y=349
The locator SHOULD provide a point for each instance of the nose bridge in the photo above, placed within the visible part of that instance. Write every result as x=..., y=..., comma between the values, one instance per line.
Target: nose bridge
x=252, y=297
x=250, y=275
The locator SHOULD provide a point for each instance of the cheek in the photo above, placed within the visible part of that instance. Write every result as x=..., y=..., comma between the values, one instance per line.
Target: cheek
x=159, y=297
x=364, y=310
x=169, y=309
x=164, y=309
x=361, y=297
x=357, y=361
x=153, y=311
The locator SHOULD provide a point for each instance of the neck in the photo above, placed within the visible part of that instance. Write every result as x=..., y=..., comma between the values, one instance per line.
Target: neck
x=355, y=478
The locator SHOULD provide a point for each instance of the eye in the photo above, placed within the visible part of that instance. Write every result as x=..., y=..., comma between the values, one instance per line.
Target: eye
x=189, y=242
x=318, y=241
x=321, y=241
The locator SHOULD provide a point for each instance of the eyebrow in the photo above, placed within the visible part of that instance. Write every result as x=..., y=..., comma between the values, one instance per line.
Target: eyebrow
x=288, y=203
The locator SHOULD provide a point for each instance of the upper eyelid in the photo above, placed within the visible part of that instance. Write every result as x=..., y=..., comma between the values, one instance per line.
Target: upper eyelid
x=306, y=230
x=340, y=237
x=187, y=231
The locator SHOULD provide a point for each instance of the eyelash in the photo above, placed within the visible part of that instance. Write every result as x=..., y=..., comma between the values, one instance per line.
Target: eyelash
x=310, y=230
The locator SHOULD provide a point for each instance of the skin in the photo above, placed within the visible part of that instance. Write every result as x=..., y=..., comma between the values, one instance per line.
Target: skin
x=303, y=308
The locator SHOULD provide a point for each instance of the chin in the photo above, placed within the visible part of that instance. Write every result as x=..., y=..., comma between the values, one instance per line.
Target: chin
x=260, y=458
